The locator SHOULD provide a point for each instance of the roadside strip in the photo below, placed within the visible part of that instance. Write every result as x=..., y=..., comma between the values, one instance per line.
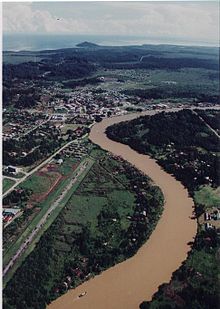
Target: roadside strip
x=27, y=241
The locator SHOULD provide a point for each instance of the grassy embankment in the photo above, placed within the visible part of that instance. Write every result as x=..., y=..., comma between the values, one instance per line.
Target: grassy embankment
x=101, y=224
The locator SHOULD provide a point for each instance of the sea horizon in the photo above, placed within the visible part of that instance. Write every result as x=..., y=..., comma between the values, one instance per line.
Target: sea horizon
x=38, y=42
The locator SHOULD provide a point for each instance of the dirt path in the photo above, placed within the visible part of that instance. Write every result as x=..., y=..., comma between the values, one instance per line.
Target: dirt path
x=206, y=124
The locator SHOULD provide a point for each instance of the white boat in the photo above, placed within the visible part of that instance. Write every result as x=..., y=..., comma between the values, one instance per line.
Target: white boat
x=82, y=294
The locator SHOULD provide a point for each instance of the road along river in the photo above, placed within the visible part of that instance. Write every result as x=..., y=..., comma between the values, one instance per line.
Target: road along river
x=127, y=284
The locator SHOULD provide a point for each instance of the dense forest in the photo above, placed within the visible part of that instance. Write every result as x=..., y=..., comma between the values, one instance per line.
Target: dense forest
x=69, y=65
x=184, y=155
x=31, y=147
x=66, y=68
x=171, y=91
x=185, y=147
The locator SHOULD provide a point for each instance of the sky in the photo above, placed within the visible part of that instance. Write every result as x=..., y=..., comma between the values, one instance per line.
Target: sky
x=186, y=20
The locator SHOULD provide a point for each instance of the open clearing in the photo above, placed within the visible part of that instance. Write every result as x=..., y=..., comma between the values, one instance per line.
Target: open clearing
x=7, y=184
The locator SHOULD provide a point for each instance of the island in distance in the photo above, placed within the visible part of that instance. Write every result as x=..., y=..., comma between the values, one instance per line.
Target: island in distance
x=87, y=44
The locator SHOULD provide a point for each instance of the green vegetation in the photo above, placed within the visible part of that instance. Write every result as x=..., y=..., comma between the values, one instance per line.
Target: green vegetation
x=186, y=83
x=105, y=221
x=184, y=146
x=147, y=71
x=207, y=196
x=7, y=184
x=212, y=118
x=20, y=58
x=193, y=157
x=68, y=165
x=107, y=218
x=11, y=250
x=33, y=144
x=39, y=183
x=196, y=283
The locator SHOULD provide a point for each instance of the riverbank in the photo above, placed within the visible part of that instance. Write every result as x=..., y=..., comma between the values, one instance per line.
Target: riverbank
x=127, y=284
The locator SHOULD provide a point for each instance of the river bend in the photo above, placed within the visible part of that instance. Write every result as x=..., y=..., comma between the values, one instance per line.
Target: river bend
x=127, y=284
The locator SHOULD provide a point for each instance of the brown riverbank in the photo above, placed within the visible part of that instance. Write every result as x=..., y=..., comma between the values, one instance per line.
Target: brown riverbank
x=127, y=284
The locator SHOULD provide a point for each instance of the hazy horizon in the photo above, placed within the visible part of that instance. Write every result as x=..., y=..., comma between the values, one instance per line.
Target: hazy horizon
x=37, y=42
x=127, y=23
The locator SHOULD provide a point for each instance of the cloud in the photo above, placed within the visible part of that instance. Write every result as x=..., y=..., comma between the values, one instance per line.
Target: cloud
x=22, y=18
x=192, y=20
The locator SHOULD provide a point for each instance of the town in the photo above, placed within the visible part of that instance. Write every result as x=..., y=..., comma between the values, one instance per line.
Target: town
x=67, y=198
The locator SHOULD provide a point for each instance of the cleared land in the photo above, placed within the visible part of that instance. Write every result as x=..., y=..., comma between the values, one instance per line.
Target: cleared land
x=7, y=184
x=45, y=206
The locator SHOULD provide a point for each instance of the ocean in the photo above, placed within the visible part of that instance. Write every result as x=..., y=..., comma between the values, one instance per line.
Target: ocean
x=17, y=42
x=33, y=42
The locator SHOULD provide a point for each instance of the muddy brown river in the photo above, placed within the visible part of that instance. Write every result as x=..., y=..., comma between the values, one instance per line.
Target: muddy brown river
x=127, y=284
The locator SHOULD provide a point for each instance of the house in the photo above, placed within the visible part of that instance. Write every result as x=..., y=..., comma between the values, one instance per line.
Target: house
x=11, y=169
x=207, y=216
x=208, y=226
x=59, y=161
x=217, y=215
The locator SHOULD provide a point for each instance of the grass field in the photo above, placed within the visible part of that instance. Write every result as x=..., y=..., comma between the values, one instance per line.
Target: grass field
x=99, y=192
x=39, y=183
x=67, y=166
x=44, y=207
x=7, y=184
x=67, y=127
x=197, y=79
x=208, y=197
x=45, y=185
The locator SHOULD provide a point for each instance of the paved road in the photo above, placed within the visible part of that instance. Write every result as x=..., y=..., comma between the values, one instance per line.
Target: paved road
x=34, y=128
x=35, y=169
x=40, y=224
x=142, y=57
x=213, y=130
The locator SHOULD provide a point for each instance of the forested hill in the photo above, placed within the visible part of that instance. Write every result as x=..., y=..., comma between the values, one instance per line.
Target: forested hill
x=181, y=66
x=145, y=56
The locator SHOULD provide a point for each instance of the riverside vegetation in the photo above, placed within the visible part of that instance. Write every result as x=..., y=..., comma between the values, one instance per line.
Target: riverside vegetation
x=112, y=213
x=186, y=147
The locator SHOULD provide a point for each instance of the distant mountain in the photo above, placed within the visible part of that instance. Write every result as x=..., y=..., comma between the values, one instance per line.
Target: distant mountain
x=87, y=44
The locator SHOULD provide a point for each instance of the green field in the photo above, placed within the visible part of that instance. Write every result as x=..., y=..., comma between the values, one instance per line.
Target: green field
x=195, y=79
x=44, y=207
x=67, y=166
x=67, y=127
x=99, y=191
x=7, y=184
x=39, y=184
x=207, y=196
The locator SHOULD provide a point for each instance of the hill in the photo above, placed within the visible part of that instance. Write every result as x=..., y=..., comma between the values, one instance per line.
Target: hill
x=87, y=45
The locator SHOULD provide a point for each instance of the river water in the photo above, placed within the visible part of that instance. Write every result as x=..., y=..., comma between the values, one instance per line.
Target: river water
x=127, y=284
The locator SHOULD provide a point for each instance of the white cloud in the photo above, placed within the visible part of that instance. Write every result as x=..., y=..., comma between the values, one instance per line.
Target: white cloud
x=192, y=20
x=22, y=18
